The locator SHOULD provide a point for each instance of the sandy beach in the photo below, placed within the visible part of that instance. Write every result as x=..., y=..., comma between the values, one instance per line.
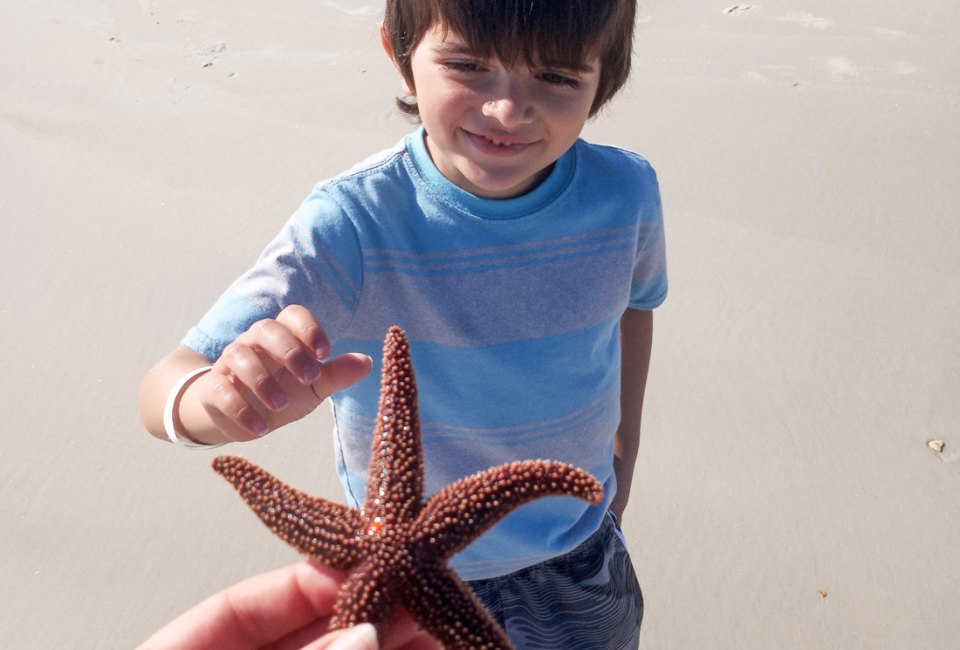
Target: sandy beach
x=785, y=496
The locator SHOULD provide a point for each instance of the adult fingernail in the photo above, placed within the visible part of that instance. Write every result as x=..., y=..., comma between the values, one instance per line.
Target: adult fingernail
x=360, y=637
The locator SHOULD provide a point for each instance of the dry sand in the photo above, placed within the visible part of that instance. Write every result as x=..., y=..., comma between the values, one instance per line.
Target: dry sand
x=785, y=497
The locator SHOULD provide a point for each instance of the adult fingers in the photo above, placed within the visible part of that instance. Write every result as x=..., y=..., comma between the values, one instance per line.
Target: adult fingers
x=360, y=637
x=255, y=612
x=402, y=633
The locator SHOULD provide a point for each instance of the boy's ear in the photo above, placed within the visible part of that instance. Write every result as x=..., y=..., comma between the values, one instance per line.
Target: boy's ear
x=385, y=42
x=388, y=48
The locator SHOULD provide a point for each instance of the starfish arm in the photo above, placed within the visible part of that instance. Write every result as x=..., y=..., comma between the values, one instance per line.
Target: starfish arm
x=464, y=510
x=319, y=528
x=366, y=596
x=395, y=481
x=449, y=611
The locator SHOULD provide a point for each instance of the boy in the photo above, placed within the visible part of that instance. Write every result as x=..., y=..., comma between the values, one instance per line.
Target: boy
x=523, y=264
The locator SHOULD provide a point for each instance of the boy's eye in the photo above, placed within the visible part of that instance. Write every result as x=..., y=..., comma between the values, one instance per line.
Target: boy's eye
x=462, y=66
x=557, y=79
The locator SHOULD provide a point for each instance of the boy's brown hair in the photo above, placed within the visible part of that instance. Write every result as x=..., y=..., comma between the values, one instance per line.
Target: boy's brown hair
x=566, y=33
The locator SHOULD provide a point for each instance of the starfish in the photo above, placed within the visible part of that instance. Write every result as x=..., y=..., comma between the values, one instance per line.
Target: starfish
x=396, y=547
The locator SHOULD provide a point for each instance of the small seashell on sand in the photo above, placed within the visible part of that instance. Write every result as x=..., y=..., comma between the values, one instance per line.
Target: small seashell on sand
x=823, y=594
x=936, y=445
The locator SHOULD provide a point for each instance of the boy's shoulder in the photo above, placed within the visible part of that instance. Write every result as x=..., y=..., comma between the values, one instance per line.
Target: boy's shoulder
x=595, y=153
x=370, y=165
x=612, y=165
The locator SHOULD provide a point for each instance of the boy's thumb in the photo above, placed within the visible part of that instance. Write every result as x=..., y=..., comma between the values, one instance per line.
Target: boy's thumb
x=339, y=373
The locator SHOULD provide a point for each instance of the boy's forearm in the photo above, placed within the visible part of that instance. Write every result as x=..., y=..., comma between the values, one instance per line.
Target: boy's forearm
x=156, y=387
x=636, y=337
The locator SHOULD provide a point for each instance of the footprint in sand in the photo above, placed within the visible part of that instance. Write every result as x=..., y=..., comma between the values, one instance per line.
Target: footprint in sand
x=903, y=67
x=889, y=34
x=211, y=53
x=838, y=68
x=808, y=20
x=364, y=10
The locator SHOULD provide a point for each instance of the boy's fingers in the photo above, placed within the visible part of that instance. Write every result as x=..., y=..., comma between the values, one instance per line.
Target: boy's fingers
x=250, y=370
x=231, y=411
x=280, y=343
x=299, y=320
x=341, y=372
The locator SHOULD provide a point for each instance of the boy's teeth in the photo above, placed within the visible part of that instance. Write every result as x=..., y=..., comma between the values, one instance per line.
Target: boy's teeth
x=498, y=143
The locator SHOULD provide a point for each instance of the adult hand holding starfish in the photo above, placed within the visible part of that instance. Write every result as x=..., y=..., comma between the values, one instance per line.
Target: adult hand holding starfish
x=284, y=608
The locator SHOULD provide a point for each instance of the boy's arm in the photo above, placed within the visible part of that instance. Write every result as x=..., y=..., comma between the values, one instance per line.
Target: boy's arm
x=156, y=386
x=636, y=339
x=270, y=376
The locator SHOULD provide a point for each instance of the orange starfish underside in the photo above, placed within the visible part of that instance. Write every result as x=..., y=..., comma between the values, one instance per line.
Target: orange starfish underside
x=396, y=547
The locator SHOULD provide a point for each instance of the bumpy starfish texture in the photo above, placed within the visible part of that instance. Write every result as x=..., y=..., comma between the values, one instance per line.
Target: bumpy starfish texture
x=396, y=547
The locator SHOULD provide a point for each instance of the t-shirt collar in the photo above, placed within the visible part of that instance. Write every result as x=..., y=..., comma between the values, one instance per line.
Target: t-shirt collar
x=525, y=204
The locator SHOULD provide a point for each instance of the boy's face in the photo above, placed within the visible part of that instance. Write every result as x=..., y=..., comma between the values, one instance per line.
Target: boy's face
x=495, y=131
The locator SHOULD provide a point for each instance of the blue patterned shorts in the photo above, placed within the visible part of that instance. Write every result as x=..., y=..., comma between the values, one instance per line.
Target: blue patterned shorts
x=588, y=599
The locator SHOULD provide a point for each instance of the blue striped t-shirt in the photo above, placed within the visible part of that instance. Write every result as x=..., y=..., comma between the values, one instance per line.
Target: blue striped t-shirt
x=512, y=308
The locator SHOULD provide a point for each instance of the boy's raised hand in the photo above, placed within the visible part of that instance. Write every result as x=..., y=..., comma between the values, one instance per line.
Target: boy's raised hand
x=273, y=374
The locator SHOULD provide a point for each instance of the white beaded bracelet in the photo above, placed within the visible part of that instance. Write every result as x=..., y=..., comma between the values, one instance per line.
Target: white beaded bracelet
x=171, y=404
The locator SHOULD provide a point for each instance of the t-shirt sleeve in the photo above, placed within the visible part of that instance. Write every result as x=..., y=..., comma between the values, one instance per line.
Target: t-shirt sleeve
x=648, y=288
x=314, y=261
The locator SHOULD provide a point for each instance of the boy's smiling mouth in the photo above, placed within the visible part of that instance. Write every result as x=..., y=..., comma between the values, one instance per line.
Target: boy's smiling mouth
x=497, y=144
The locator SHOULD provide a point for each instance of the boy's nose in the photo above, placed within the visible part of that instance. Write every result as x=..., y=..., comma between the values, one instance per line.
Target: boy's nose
x=510, y=105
